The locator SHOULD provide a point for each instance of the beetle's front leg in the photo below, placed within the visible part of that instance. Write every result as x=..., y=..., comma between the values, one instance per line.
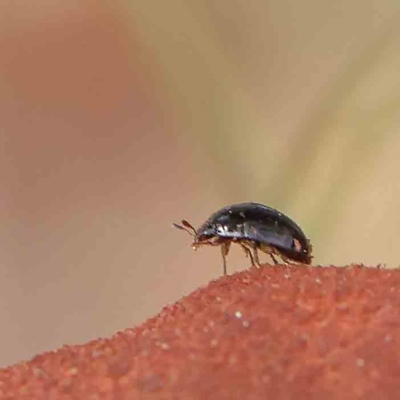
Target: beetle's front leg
x=224, y=252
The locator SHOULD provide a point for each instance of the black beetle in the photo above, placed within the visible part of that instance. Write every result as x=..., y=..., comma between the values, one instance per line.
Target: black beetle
x=254, y=227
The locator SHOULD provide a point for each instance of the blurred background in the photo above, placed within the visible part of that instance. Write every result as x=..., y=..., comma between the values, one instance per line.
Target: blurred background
x=119, y=118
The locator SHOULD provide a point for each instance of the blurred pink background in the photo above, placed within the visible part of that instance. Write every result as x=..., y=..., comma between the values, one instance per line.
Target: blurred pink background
x=117, y=120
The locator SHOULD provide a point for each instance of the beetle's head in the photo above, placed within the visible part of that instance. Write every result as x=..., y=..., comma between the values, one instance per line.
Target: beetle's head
x=200, y=237
x=188, y=227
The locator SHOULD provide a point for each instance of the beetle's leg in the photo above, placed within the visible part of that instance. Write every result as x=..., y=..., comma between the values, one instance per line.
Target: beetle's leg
x=253, y=249
x=224, y=252
x=256, y=258
x=270, y=251
x=248, y=253
x=284, y=259
x=273, y=258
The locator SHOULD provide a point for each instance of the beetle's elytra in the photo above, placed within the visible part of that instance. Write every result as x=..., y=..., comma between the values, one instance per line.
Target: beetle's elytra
x=254, y=227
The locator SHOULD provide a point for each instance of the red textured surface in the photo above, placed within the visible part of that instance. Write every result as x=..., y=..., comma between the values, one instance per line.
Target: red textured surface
x=274, y=333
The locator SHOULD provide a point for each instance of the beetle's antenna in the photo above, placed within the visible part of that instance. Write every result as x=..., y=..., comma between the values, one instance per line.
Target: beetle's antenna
x=186, y=226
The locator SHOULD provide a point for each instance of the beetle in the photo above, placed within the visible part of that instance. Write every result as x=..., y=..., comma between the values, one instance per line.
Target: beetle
x=254, y=227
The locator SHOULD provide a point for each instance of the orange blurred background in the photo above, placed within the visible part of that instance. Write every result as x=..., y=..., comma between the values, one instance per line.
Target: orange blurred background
x=119, y=119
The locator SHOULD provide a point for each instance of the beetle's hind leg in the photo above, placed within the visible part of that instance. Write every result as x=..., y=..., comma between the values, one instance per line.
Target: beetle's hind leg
x=271, y=252
x=224, y=252
x=285, y=259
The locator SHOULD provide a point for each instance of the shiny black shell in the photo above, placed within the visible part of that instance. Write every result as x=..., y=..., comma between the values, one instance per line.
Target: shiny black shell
x=260, y=224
